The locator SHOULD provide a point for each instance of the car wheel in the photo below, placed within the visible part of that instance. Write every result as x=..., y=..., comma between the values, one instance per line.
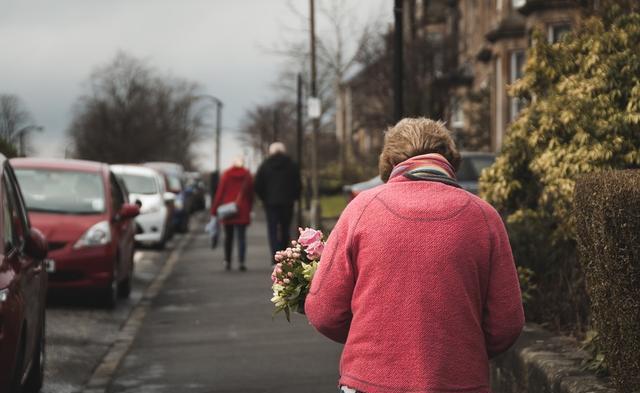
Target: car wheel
x=36, y=374
x=163, y=241
x=15, y=384
x=110, y=294
x=124, y=287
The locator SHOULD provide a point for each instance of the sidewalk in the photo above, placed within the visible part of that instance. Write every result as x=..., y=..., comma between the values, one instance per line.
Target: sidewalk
x=210, y=330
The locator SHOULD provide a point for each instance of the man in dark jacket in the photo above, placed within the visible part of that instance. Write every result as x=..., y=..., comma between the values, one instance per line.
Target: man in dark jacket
x=278, y=185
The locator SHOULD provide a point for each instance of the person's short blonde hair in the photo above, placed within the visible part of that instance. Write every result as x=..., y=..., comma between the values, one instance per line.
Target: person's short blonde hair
x=413, y=137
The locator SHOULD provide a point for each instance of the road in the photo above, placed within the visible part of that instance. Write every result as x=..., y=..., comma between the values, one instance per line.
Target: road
x=79, y=332
x=197, y=328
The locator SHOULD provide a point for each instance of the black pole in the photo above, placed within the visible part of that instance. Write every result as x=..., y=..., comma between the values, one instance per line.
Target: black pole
x=276, y=126
x=398, y=105
x=299, y=141
x=315, y=190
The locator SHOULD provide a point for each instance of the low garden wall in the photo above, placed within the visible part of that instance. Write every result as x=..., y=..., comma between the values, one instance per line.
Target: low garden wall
x=540, y=362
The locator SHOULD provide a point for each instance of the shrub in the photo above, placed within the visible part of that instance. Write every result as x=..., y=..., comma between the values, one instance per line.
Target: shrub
x=583, y=116
x=608, y=235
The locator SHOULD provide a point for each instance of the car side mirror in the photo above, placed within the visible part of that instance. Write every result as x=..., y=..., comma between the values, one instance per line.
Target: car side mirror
x=128, y=211
x=169, y=197
x=36, y=245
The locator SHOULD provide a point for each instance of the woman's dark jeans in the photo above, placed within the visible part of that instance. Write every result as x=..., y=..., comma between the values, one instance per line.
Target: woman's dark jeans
x=229, y=231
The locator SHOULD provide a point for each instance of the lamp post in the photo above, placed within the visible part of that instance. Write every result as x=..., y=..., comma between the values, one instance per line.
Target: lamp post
x=315, y=192
x=398, y=77
x=219, y=106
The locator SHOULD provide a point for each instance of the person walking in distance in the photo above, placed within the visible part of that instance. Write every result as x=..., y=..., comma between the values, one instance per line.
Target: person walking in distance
x=235, y=195
x=278, y=185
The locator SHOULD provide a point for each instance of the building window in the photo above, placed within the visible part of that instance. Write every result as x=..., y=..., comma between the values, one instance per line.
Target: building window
x=515, y=4
x=499, y=5
x=457, y=114
x=557, y=32
x=516, y=71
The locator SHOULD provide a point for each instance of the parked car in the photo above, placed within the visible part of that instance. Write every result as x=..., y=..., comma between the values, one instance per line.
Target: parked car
x=146, y=188
x=468, y=174
x=471, y=167
x=174, y=181
x=82, y=209
x=23, y=287
x=197, y=191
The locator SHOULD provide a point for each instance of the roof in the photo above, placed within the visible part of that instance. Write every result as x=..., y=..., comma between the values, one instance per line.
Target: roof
x=166, y=167
x=59, y=164
x=134, y=170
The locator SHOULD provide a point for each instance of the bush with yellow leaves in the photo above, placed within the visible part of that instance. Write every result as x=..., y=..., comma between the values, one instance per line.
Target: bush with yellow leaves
x=583, y=116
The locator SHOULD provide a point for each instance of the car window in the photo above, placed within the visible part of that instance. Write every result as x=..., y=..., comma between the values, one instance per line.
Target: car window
x=471, y=167
x=117, y=196
x=62, y=191
x=12, y=216
x=140, y=184
x=21, y=206
x=9, y=237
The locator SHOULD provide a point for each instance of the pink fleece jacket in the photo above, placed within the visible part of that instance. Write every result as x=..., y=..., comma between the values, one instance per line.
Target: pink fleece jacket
x=418, y=281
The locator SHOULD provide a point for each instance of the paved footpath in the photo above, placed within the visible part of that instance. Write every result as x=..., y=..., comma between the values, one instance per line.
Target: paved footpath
x=209, y=330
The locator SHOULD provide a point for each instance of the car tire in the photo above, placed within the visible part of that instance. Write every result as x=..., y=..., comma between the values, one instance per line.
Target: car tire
x=15, y=384
x=184, y=225
x=163, y=242
x=110, y=294
x=124, y=287
x=36, y=374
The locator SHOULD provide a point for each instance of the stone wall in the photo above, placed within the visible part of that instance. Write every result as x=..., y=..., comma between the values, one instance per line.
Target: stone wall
x=542, y=363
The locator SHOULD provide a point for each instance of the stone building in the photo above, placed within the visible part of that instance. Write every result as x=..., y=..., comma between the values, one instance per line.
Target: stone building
x=460, y=56
x=493, y=41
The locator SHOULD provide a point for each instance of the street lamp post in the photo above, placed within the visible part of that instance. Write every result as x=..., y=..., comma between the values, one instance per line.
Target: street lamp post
x=398, y=77
x=315, y=200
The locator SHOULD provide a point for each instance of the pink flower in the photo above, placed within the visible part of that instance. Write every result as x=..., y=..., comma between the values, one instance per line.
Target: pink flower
x=314, y=250
x=309, y=236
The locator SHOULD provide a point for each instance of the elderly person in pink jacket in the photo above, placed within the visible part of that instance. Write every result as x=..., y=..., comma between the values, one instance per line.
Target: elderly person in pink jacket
x=417, y=280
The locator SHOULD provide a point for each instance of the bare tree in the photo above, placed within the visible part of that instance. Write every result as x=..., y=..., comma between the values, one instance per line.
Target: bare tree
x=342, y=42
x=131, y=113
x=15, y=122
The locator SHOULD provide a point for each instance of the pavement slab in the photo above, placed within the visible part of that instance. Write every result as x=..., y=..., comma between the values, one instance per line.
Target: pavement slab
x=211, y=330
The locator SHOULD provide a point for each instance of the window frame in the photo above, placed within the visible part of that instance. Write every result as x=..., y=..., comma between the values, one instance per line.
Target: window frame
x=552, y=37
x=11, y=190
x=515, y=73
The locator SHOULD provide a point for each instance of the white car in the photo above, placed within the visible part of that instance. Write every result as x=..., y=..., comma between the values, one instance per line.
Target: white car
x=146, y=188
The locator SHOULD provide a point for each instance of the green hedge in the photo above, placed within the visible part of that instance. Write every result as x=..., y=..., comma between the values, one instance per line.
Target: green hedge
x=607, y=207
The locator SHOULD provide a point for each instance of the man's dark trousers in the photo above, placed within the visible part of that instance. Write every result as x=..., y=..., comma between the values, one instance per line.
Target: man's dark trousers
x=279, y=226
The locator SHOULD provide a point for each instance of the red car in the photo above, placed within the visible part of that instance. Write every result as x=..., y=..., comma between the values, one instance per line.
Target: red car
x=83, y=211
x=23, y=287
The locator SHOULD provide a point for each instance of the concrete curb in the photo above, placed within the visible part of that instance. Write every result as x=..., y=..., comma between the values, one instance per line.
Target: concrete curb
x=542, y=362
x=102, y=375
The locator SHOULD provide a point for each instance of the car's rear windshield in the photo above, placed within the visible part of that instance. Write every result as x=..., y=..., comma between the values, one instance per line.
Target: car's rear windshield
x=140, y=184
x=62, y=191
x=174, y=183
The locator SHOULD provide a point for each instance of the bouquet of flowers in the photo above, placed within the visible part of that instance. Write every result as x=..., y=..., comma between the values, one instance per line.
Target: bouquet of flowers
x=294, y=271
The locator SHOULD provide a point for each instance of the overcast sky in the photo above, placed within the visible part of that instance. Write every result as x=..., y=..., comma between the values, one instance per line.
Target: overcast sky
x=49, y=48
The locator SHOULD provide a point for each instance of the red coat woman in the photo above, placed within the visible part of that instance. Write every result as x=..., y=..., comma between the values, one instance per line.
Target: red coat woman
x=236, y=185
